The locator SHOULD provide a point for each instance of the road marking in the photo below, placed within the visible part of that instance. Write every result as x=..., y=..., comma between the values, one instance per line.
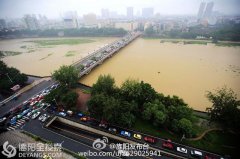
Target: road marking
x=21, y=120
x=17, y=125
x=11, y=128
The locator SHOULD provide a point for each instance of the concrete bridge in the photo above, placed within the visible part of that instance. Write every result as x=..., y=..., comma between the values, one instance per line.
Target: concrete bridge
x=86, y=64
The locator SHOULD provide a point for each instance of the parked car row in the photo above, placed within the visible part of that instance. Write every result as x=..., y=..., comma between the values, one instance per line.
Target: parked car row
x=168, y=144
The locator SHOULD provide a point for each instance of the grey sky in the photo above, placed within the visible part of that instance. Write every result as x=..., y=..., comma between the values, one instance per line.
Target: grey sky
x=53, y=8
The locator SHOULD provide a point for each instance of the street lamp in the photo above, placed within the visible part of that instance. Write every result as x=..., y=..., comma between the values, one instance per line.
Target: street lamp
x=9, y=77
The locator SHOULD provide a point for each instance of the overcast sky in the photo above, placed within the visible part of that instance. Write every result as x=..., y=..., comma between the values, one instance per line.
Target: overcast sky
x=53, y=8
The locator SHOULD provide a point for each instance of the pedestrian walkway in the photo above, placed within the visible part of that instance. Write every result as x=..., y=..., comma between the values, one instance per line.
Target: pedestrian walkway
x=18, y=124
x=203, y=134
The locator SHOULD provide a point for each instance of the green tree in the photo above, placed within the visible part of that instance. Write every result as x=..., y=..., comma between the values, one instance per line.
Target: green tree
x=132, y=90
x=185, y=127
x=150, y=31
x=16, y=77
x=70, y=99
x=155, y=112
x=103, y=107
x=96, y=105
x=225, y=108
x=66, y=75
x=105, y=84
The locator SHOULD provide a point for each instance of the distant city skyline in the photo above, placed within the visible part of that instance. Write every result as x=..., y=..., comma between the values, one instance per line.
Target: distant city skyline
x=54, y=8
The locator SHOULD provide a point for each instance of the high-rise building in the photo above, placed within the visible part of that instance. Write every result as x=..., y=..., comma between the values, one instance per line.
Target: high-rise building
x=201, y=9
x=90, y=20
x=70, y=19
x=208, y=10
x=147, y=12
x=31, y=22
x=130, y=12
x=105, y=13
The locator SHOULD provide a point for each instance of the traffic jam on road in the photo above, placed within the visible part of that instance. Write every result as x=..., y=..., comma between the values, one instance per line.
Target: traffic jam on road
x=35, y=108
x=28, y=110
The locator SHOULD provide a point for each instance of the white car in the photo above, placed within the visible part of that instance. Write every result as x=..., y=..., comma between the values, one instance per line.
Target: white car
x=45, y=118
x=182, y=150
x=3, y=119
x=29, y=114
x=196, y=153
x=42, y=116
x=35, y=115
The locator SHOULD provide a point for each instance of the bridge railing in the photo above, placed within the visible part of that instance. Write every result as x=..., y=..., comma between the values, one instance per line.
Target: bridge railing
x=88, y=69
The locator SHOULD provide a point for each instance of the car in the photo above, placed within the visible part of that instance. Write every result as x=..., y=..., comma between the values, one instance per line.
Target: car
x=26, y=102
x=45, y=118
x=45, y=105
x=125, y=133
x=112, y=130
x=167, y=144
x=149, y=139
x=209, y=156
x=137, y=136
x=3, y=119
x=40, y=97
x=62, y=114
x=84, y=119
x=33, y=103
x=25, y=112
x=42, y=116
x=182, y=150
x=13, y=121
x=80, y=114
x=34, y=111
x=35, y=115
x=69, y=113
x=103, y=126
x=29, y=114
x=19, y=116
x=196, y=153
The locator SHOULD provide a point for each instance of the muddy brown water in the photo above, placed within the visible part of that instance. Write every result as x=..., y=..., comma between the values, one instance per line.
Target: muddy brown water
x=187, y=71
x=43, y=60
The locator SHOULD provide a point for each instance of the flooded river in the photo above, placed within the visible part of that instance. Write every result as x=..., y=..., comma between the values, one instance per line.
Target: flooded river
x=187, y=71
x=43, y=60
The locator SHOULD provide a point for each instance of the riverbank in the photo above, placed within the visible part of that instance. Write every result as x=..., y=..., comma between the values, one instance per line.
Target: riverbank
x=196, y=41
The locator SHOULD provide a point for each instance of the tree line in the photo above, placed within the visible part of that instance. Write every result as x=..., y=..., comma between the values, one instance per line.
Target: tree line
x=134, y=99
x=10, y=77
x=224, y=32
x=65, y=32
